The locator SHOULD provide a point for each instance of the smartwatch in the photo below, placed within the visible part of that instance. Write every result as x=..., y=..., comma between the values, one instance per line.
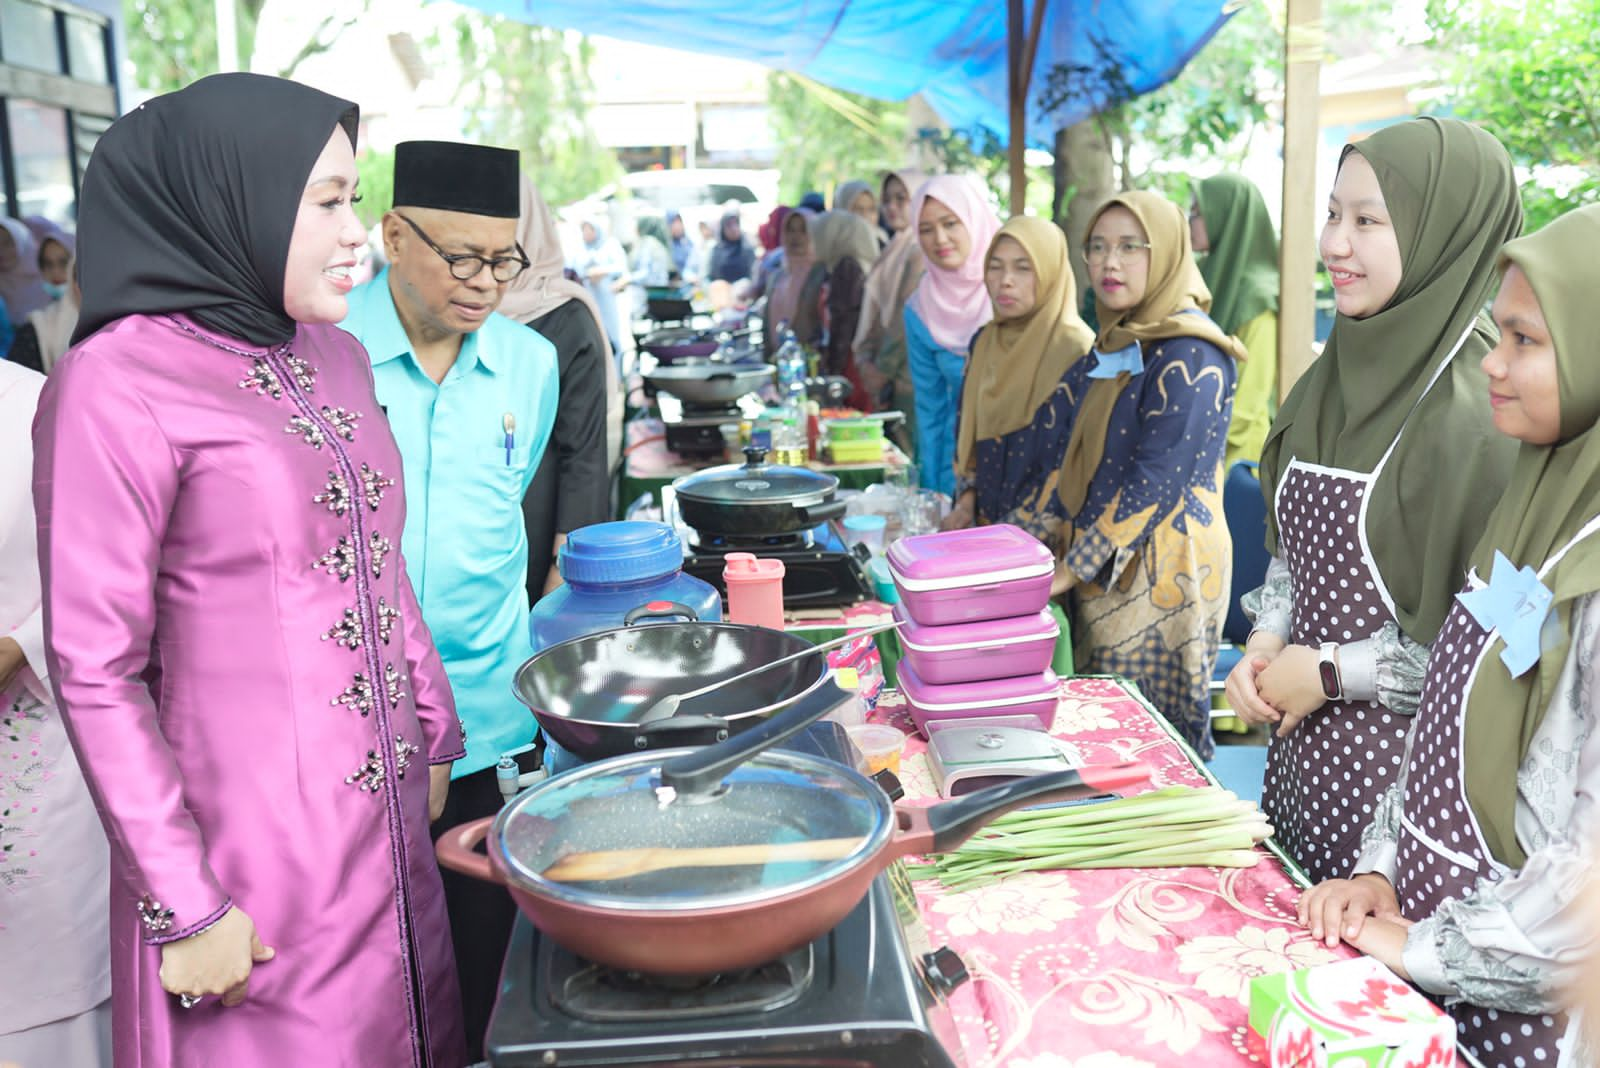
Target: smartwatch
x=1328, y=672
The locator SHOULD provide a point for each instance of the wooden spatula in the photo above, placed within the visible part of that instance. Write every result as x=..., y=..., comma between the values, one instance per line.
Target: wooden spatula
x=599, y=865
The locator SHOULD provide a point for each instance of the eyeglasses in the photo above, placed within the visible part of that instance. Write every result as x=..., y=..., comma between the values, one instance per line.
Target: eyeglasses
x=464, y=268
x=1098, y=251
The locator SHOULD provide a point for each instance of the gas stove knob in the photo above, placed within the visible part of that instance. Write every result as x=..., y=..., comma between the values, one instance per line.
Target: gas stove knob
x=944, y=969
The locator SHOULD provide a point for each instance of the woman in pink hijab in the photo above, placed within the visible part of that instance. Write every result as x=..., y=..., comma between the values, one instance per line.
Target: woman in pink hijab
x=954, y=226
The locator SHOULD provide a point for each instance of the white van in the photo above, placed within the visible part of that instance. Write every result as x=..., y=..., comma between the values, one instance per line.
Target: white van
x=703, y=193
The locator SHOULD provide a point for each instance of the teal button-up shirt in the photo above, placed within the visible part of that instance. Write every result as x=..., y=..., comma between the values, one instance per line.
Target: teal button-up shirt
x=464, y=541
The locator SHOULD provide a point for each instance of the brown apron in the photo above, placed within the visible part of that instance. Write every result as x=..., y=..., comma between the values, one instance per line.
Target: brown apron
x=1324, y=781
x=1441, y=852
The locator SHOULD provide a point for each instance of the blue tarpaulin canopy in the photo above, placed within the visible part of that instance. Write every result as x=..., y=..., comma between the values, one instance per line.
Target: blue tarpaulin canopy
x=951, y=51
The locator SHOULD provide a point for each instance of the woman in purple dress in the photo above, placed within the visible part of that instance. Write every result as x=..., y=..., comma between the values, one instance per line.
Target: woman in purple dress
x=232, y=638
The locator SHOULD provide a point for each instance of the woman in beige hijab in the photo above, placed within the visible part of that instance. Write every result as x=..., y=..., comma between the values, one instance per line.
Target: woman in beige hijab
x=1146, y=553
x=1016, y=409
x=879, y=346
x=846, y=246
x=572, y=487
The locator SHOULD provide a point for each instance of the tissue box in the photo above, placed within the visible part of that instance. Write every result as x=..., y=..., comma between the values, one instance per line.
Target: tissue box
x=1347, y=1014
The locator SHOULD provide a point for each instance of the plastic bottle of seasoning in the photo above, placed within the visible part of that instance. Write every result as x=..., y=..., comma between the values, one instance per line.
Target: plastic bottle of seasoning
x=609, y=570
x=755, y=590
x=789, y=443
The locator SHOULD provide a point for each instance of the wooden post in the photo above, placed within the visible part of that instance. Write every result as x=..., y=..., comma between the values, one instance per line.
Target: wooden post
x=1017, y=97
x=1022, y=48
x=1297, y=257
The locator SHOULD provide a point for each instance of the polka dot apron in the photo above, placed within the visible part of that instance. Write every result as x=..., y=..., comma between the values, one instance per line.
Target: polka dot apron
x=1441, y=852
x=1325, y=779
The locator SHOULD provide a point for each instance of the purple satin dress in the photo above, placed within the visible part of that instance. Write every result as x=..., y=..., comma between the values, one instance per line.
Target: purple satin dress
x=251, y=691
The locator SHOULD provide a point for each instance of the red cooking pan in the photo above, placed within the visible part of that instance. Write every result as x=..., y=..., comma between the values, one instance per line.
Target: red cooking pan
x=696, y=861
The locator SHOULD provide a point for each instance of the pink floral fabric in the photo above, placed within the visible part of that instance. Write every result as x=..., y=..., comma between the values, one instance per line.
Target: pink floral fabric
x=1114, y=968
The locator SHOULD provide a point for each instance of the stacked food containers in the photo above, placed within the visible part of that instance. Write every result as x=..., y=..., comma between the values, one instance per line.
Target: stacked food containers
x=978, y=636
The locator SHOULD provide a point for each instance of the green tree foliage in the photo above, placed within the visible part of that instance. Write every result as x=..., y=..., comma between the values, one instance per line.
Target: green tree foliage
x=531, y=90
x=375, y=174
x=173, y=42
x=1209, y=112
x=1528, y=73
x=827, y=136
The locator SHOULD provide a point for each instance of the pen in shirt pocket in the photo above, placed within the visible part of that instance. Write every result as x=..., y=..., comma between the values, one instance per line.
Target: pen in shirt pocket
x=508, y=422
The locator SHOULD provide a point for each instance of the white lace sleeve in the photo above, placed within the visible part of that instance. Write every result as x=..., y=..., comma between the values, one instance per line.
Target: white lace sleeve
x=1387, y=667
x=1270, y=605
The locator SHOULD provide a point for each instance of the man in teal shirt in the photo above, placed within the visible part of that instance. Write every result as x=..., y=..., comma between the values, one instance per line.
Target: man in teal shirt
x=471, y=398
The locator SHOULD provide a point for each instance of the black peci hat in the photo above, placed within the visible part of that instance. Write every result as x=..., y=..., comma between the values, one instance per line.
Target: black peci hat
x=452, y=176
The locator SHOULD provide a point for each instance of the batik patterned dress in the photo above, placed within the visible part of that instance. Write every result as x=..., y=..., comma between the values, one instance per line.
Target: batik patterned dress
x=1150, y=547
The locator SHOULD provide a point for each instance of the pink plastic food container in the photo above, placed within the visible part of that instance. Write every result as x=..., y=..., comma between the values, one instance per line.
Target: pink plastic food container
x=961, y=576
x=1033, y=695
x=973, y=652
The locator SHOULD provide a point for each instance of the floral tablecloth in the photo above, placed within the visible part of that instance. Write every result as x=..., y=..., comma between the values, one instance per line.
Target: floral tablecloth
x=1111, y=968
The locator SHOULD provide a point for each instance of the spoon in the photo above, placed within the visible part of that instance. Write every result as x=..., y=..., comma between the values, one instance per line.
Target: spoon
x=601, y=864
x=668, y=704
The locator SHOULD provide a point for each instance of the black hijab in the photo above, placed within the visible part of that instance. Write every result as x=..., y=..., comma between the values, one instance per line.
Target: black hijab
x=189, y=202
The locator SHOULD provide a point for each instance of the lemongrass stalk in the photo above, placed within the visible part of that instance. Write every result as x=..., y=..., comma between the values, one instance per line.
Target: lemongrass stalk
x=1129, y=831
x=1113, y=832
x=1124, y=856
x=1222, y=858
x=1223, y=837
x=1164, y=801
x=1175, y=811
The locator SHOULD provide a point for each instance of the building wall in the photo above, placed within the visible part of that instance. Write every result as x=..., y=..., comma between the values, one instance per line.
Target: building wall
x=59, y=91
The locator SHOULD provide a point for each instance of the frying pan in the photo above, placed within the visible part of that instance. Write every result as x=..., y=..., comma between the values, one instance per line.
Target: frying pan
x=699, y=920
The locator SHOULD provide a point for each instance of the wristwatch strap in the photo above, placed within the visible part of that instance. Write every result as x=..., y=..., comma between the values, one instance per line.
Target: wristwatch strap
x=1328, y=672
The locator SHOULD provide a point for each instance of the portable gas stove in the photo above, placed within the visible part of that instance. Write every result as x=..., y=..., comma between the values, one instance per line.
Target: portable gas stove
x=696, y=430
x=871, y=993
x=819, y=569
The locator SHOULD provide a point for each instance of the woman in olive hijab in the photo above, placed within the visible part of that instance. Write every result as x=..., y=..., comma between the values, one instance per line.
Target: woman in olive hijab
x=1380, y=471
x=1486, y=843
x=1238, y=253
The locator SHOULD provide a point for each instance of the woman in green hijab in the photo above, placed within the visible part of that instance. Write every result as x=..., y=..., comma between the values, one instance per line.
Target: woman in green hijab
x=1238, y=255
x=1380, y=471
x=1472, y=871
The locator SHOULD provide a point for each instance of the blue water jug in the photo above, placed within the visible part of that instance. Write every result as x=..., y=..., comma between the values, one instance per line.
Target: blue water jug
x=609, y=570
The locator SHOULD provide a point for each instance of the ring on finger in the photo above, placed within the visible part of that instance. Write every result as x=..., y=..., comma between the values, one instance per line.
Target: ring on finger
x=189, y=1001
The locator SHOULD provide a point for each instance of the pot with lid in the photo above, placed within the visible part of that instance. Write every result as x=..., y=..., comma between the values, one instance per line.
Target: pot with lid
x=757, y=499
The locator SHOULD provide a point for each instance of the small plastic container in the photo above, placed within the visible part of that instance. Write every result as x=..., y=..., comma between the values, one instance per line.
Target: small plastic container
x=961, y=576
x=840, y=430
x=883, y=587
x=879, y=746
x=609, y=569
x=755, y=590
x=1024, y=695
x=973, y=652
x=855, y=452
x=865, y=530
